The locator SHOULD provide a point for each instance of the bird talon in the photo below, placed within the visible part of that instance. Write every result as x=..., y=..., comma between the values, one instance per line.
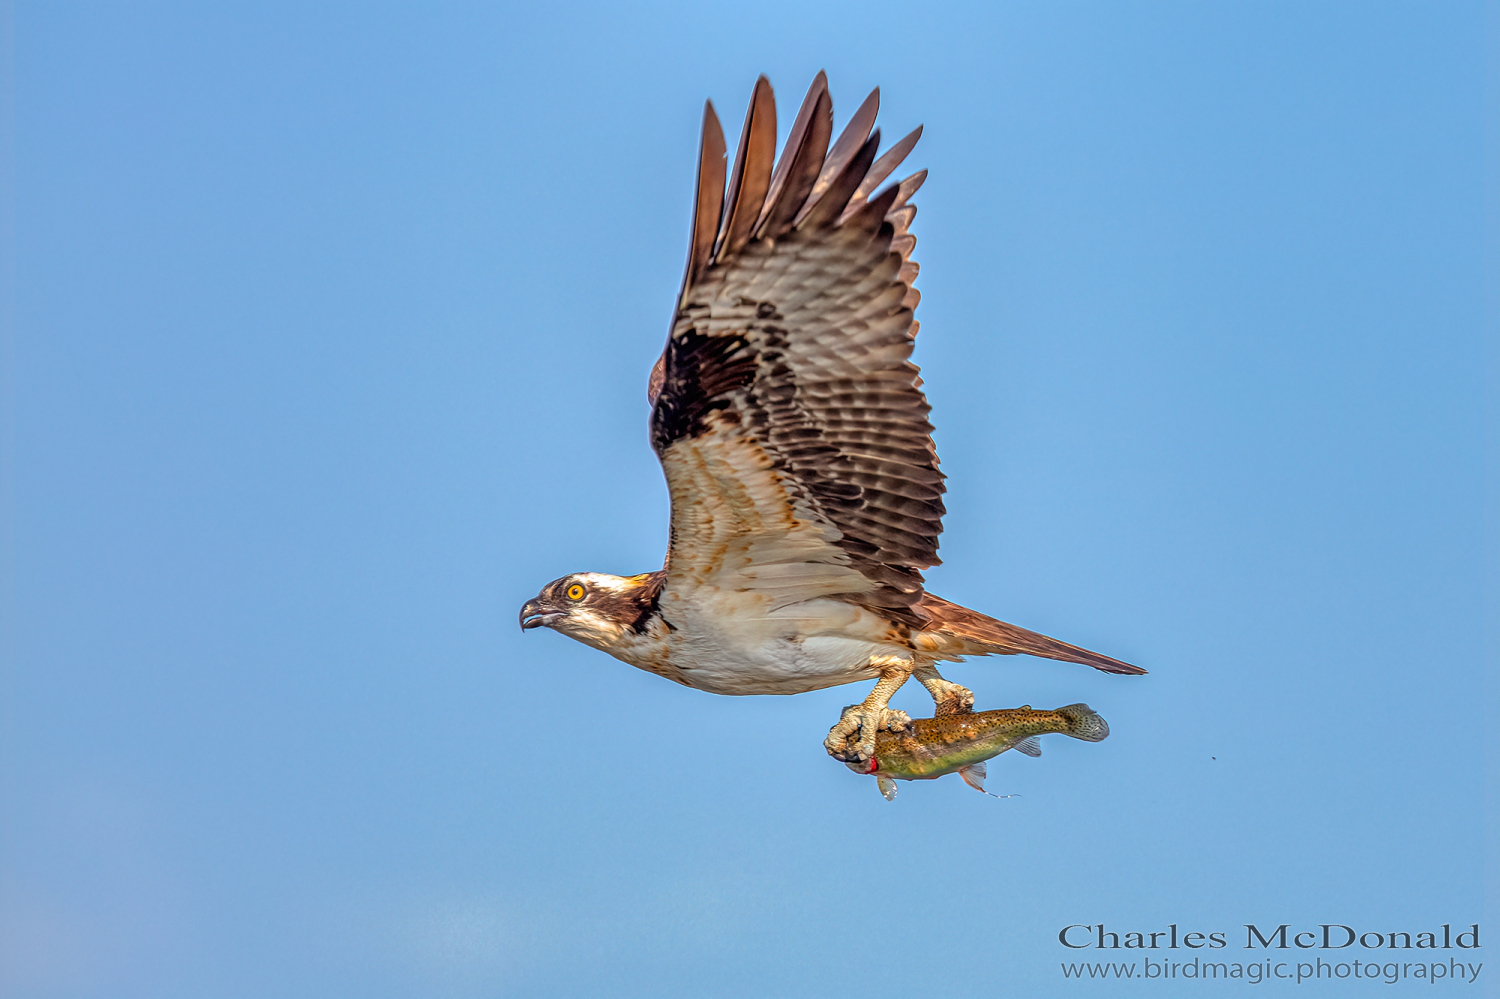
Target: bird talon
x=955, y=701
x=852, y=739
x=948, y=698
x=895, y=721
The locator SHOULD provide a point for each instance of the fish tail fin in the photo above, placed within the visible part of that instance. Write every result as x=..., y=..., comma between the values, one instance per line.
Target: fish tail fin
x=1084, y=723
x=954, y=630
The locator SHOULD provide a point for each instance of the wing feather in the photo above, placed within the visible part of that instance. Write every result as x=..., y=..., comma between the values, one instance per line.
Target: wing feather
x=907, y=188
x=830, y=204
x=708, y=203
x=883, y=167
x=751, y=178
x=786, y=409
x=801, y=160
x=849, y=141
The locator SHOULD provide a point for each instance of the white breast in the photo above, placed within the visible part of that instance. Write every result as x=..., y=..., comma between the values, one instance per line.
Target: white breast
x=734, y=643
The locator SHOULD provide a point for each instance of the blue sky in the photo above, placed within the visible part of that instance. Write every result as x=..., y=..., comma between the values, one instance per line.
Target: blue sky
x=328, y=348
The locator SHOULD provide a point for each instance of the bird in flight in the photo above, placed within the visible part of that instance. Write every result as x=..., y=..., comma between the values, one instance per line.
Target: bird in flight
x=791, y=425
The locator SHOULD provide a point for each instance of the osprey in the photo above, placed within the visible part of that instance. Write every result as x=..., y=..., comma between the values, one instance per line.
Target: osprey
x=792, y=428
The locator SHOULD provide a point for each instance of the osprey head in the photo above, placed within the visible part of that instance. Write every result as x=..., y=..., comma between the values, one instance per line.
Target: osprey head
x=595, y=608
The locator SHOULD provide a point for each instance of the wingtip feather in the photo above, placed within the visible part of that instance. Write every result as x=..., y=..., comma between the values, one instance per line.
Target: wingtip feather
x=850, y=142
x=751, y=176
x=801, y=161
x=886, y=164
x=827, y=207
x=708, y=201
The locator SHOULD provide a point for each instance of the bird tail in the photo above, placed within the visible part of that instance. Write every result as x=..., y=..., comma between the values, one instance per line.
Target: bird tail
x=956, y=630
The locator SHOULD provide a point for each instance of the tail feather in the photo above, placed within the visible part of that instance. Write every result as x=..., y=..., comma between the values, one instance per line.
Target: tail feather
x=960, y=631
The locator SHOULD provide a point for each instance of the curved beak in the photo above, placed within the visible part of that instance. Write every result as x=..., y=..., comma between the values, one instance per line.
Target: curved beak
x=535, y=614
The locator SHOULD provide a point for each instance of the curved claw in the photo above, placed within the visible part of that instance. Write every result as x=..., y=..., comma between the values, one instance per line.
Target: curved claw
x=852, y=739
x=955, y=700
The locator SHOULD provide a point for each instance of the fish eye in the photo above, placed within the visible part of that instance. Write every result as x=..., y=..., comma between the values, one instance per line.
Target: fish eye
x=576, y=592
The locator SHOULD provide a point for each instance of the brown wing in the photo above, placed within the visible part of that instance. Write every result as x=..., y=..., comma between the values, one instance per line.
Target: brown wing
x=786, y=410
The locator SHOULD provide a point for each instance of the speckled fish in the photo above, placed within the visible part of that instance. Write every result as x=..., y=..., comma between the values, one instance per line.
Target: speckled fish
x=961, y=743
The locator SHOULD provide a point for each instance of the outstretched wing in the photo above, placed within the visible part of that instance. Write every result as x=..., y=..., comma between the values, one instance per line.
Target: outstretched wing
x=786, y=411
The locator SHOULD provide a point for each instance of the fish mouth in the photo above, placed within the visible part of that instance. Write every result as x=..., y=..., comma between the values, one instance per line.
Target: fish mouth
x=533, y=615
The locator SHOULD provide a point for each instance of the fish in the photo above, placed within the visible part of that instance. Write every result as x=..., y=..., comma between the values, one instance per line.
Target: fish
x=961, y=743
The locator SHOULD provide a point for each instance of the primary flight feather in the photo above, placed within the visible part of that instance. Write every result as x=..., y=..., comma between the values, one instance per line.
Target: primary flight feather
x=794, y=435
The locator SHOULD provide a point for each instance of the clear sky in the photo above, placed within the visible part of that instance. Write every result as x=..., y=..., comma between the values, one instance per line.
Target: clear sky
x=328, y=348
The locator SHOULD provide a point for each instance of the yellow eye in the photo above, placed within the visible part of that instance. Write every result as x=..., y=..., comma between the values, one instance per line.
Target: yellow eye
x=576, y=591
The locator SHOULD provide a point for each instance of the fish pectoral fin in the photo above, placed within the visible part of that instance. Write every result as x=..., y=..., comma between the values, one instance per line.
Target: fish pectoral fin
x=1030, y=747
x=887, y=788
x=974, y=775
